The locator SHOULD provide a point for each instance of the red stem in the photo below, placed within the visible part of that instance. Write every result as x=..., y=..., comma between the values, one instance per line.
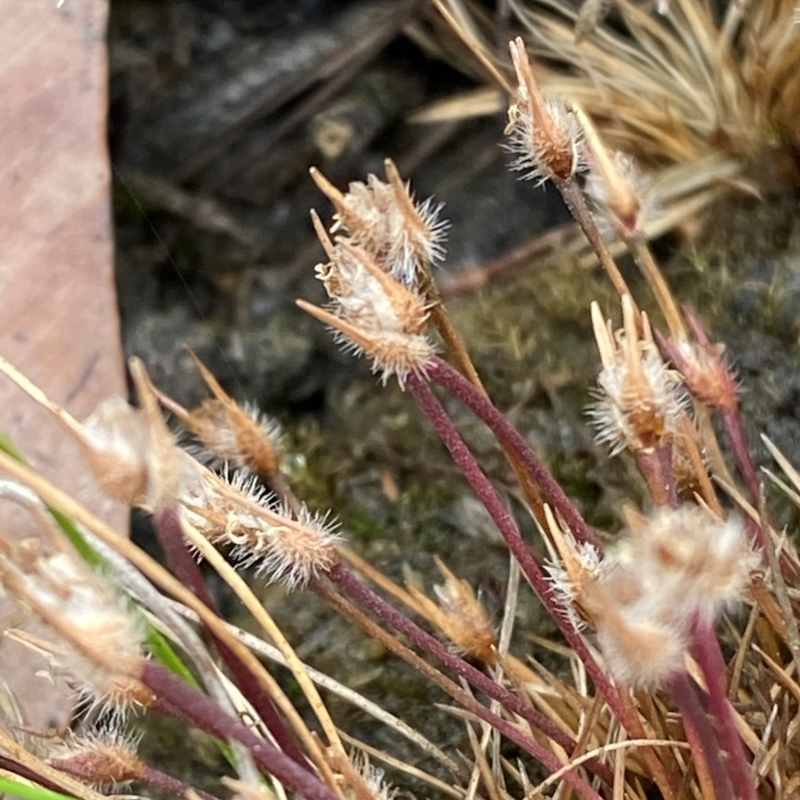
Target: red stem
x=486, y=494
x=367, y=599
x=170, y=536
x=162, y=782
x=442, y=373
x=699, y=731
x=179, y=699
x=709, y=658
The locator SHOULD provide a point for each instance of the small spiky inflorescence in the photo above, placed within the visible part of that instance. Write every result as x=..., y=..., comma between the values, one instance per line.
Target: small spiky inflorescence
x=371, y=778
x=544, y=133
x=285, y=547
x=371, y=312
x=106, y=758
x=115, y=445
x=460, y=616
x=621, y=194
x=681, y=564
x=97, y=643
x=643, y=597
x=640, y=402
x=707, y=96
x=703, y=369
x=229, y=433
x=404, y=237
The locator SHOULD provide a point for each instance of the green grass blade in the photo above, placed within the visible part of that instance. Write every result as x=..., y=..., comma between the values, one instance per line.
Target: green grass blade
x=11, y=788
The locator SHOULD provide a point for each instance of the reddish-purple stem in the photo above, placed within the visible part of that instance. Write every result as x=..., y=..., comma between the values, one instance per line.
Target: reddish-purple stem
x=709, y=658
x=699, y=729
x=168, y=529
x=178, y=698
x=344, y=580
x=656, y=466
x=162, y=782
x=154, y=778
x=442, y=373
x=367, y=599
x=508, y=529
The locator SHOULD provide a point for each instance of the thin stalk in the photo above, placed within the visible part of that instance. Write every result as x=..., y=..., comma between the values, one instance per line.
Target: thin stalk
x=709, y=658
x=576, y=203
x=346, y=581
x=706, y=748
x=201, y=711
x=741, y=452
x=172, y=538
x=262, y=617
x=162, y=782
x=441, y=372
x=664, y=297
x=474, y=474
x=467, y=701
x=656, y=466
x=458, y=351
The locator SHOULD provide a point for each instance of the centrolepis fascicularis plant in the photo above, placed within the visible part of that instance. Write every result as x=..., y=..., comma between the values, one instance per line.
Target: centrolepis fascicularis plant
x=661, y=693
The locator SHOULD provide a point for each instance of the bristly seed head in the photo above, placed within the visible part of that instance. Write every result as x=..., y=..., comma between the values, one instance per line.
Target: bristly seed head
x=705, y=373
x=403, y=237
x=105, y=758
x=286, y=548
x=371, y=312
x=640, y=401
x=98, y=643
x=544, y=133
x=675, y=567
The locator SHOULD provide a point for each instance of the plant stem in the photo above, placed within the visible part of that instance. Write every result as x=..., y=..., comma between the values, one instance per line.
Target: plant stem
x=700, y=733
x=741, y=452
x=508, y=729
x=177, y=697
x=162, y=782
x=171, y=537
x=709, y=658
x=345, y=580
x=442, y=373
x=656, y=466
x=576, y=203
x=480, y=483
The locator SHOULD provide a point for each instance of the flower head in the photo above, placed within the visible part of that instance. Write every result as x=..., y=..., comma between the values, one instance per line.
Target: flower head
x=105, y=758
x=286, y=547
x=371, y=312
x=544, y=133
x=96, y=643
x=704, y=371
x=403, y=237
x=639, y=401
x=677, y=566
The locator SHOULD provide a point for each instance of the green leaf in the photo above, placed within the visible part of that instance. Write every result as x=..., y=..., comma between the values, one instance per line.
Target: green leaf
x=25, y=791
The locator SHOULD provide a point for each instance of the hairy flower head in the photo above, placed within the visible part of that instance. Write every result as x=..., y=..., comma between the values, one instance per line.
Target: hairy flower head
x=640, y=402
x=286, y=547
x=92, y=640
x=544, y=133
x=676, y=566
x=371, y=312
x=106, y=757
x=381, y=217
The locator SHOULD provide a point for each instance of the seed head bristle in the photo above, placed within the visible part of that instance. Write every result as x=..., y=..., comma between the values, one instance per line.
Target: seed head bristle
x=106, y=757
x=680, y=565
x=640, y=402
x=544, y=133
x=94, y=642
x=404, y=237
